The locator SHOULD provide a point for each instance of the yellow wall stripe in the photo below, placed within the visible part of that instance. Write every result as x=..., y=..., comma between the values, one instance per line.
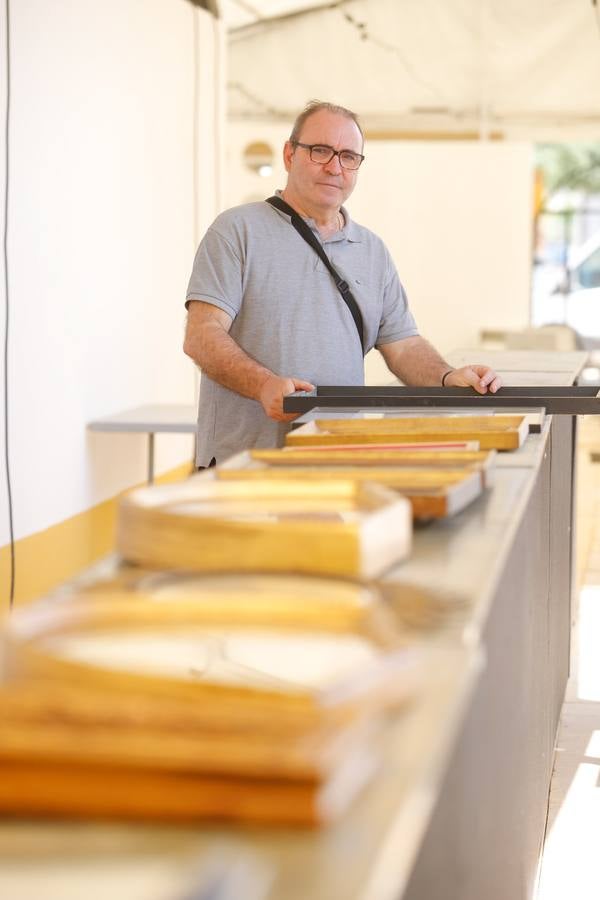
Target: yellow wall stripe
x=47, y=558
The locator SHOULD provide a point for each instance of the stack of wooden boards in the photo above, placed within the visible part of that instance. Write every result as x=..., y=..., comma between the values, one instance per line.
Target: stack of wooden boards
x=225, y=670
x=440, y=463
x=170, y=696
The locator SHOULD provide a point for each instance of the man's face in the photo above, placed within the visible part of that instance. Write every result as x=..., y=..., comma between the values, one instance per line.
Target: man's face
x=325, y=186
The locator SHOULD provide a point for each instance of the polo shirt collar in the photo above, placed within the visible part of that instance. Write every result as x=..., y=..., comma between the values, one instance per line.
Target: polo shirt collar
x=350, y=232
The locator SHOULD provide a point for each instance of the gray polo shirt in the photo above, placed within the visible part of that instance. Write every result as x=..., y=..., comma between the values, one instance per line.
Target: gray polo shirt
x=288, y=314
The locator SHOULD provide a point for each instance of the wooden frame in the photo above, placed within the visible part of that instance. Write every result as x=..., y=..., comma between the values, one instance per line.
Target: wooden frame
x=340, y=528
x=433, y=492
x=492, y=432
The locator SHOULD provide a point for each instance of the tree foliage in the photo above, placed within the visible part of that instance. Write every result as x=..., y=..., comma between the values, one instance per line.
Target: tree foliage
x=569, y=167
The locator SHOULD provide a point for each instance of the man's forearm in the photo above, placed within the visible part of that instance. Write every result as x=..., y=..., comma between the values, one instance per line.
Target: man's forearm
x=219, y=357
x=415, y=362
x=208, y=343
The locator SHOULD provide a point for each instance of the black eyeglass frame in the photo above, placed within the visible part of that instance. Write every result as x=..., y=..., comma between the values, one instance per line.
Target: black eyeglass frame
x=338, y=153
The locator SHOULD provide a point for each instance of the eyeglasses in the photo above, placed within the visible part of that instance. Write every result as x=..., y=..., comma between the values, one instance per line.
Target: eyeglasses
x=322, y=153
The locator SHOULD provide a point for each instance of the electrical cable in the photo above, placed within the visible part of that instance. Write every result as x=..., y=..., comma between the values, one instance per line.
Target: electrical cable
x=365, y=35
x=195, y=126
x=263, y=106
x=6, y=307
x=266, y=24
x=217, y=113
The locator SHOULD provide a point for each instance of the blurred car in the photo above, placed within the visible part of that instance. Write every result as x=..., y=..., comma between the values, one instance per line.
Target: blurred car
x=574, y=299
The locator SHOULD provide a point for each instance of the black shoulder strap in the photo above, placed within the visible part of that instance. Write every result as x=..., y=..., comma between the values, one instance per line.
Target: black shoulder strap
x=343, y=287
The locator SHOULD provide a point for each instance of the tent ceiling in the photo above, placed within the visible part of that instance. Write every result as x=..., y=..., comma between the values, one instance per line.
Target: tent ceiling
x=506, y=67
x=240, y=13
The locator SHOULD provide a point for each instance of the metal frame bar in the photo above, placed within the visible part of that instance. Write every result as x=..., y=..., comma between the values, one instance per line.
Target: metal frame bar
x=569, y=401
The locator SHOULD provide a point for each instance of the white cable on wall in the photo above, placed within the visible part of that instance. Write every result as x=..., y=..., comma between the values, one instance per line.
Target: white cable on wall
x=11, y=594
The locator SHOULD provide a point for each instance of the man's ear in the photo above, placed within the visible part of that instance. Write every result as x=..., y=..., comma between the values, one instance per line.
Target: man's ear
x=288, y=152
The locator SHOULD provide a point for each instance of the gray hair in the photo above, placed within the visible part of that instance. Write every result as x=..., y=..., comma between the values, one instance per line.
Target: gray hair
x=315, y=106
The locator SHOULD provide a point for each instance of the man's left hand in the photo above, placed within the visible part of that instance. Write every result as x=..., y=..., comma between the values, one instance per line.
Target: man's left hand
x=482, y=378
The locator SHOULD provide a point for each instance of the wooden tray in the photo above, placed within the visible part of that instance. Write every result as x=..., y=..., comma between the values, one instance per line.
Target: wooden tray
x=77, y=790
x=398, y=443
x=99, y=694
x=285, y=601
x=173, y=665
x=278, y=600
x=492, y=432
x=370, y=456
x=482, y=461
x=432, y=492
x=341, y=528
x=38, y=728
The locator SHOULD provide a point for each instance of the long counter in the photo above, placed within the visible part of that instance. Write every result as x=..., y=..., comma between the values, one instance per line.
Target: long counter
x=458, y=809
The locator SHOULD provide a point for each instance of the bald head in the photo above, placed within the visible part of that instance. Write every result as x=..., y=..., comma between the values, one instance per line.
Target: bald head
x=316, y=106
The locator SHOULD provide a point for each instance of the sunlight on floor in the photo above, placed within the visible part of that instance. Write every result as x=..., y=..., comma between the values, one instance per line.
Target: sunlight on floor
x=588, y=671
x=593, y=748
x=570, y=867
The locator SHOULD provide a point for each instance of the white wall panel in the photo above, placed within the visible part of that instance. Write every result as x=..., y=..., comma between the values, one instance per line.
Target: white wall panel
x=457, y=218
x=102, y=231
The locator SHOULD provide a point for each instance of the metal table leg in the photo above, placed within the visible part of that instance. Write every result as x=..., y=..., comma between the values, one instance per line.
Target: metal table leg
x=150, y=457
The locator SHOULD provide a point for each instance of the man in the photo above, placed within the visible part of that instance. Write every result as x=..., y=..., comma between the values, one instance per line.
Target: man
x=265, y=317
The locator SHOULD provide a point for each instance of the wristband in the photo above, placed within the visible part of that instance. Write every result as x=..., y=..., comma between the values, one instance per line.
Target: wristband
x=445, y=375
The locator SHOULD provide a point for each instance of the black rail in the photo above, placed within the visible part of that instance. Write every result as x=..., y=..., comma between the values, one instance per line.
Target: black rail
x=569, y=401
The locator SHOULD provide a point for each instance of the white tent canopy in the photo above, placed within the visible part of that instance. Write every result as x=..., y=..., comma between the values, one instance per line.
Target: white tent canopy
x=507, y=68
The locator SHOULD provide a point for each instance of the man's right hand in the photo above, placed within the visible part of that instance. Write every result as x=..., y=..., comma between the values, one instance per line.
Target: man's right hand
x=272, y=392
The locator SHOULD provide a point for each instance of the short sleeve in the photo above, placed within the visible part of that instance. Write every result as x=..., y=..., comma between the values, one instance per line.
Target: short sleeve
x=217, y=274
x=397, y=321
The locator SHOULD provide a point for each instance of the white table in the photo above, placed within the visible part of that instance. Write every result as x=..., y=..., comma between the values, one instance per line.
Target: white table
x=176, y=418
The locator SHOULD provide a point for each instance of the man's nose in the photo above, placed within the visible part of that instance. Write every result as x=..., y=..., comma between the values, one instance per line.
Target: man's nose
x=333, y=165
